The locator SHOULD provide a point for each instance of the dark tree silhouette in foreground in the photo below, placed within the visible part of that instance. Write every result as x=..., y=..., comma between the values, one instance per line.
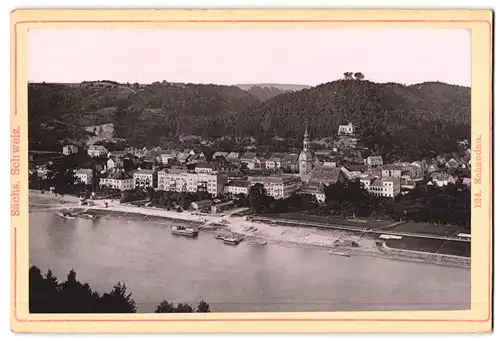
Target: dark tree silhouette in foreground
x=47, y=295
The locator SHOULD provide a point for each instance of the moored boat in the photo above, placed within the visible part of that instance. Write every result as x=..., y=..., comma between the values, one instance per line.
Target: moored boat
x=88, y=216
x=184, y=231
x=230, y=240
x=66, y=215
x=339, y=254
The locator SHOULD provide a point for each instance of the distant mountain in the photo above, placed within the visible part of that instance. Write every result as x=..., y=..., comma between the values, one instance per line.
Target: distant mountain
x=283, y=87
x=142, y=114
x=391, y=118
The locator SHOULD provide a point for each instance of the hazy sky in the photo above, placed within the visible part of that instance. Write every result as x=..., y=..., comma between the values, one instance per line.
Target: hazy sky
x=231, y=56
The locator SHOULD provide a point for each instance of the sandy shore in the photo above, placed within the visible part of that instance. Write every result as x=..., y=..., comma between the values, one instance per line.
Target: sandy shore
x=251, y=231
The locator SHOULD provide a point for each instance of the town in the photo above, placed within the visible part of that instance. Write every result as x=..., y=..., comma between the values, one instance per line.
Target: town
x=224, y=178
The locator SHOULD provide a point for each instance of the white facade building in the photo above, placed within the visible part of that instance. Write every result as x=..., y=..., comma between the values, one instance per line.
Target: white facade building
x=97, y=150
x=145, y=178
x=84, y=175
x=346, y=129
x=236, y=187
x=384, y=187
x=70, y=149
x=279, y=187
x=181, y=180
x=117, y=181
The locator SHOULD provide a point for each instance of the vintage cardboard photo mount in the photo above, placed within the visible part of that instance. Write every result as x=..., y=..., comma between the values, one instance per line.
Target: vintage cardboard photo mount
x=477, y=319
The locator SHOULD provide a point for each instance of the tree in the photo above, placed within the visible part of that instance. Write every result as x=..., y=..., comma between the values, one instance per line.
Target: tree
x=257, y=197
x=118, y=300
x=165, y=307
x=203, y=307
x=347, y=75
x=359, y=76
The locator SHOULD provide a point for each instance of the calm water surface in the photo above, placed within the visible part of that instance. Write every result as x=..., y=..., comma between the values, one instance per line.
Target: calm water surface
x=156, y=265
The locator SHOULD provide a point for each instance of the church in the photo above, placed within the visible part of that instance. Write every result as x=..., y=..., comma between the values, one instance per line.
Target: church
x=316, y=176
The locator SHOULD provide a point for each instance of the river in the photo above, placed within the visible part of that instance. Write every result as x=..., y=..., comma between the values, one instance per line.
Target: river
x=156, y=266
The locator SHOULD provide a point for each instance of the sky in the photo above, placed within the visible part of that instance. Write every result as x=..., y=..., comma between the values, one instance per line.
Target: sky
x=236, y=56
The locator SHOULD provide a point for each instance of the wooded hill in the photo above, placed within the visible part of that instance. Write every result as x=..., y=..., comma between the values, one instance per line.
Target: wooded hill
x=391, y=118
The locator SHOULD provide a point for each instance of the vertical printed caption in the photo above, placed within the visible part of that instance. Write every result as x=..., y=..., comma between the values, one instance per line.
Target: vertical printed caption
x=15, y=162
x=477, y=196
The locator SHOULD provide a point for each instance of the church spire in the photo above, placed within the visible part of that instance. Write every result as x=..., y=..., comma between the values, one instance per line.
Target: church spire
x=306, y=140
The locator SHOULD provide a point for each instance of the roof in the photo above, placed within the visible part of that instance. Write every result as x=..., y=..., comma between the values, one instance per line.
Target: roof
x=313, y=189
x=203, y=202
x=440, y=176
x=273, y=179
x=392, y=167
x=144, y=171
x=233, y=155
x=390, y=178
x=353, y=168
x=238, y=183
x=220, y=154
x=206, y=165
x=374, y=157
x=119, y=176
x=248, y=156
x=224, y=203
x=324, y=174
x=377, y=183
x=97, y=146
x=84, y=171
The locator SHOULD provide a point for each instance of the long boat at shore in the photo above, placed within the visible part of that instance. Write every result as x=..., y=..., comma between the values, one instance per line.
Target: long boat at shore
x=88, y=216
x=231, y=240
x=184, y=231
x=339, y=254
x=66, y=215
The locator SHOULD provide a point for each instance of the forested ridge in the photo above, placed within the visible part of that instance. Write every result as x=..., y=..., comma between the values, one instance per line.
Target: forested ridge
x=389, y=117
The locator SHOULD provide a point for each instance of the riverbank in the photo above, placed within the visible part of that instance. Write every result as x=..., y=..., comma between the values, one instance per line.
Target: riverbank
x=251, y=231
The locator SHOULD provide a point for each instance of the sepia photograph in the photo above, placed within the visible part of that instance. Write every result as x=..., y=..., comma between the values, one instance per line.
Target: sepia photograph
x=249, y=170
x=192, y=171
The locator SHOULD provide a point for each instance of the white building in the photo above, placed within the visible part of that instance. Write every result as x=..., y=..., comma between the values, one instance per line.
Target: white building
x=236, y=187
x=279, y=187
x=145, y=178
x=384, y=187
x=374, y=161
x=84, y=175
x=318, y=191
x=97, y=151
x=182, y=180
x=119, y=181
x=346, y=129
x=114, y=163
x=442, y=179
x=70, y=149
x=167, y=157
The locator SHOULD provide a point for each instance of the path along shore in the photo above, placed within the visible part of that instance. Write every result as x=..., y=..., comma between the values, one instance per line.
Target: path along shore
x=251, y=231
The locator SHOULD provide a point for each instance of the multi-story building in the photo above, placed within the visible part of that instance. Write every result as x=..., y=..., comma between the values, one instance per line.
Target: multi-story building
x=442, y=179
x=374, y=161
x=236, y=187
x=347, y=129
x=279, y=187
x=117, y=180
x=70, y=149
x=115, y=163
x=84, y=175
x=395, y=171
x=169, y=156
x=318, y=191
x=384, y=187
x=145, y=178
x=182, y=180
x=97, y=151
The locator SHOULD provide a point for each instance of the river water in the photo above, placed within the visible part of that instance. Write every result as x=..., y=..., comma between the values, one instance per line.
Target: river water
x=155, y=265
